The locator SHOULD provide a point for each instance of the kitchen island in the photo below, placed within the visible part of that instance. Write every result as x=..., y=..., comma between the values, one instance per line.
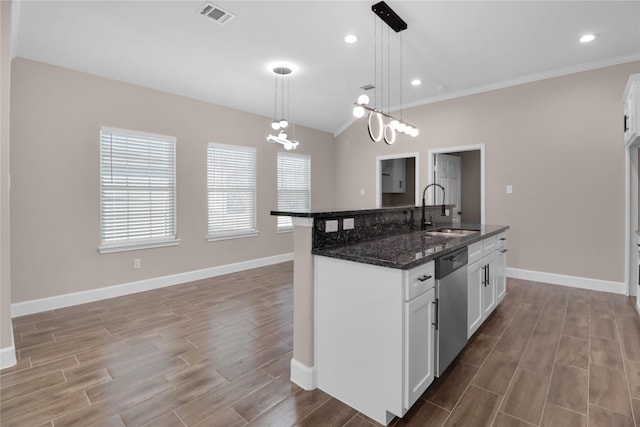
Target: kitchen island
x=364, y=294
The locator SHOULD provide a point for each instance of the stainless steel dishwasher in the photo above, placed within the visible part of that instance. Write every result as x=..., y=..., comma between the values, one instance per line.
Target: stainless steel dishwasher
x=451, y=307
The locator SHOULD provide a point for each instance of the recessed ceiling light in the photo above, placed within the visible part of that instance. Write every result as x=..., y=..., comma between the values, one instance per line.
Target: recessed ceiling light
x=587, y=38
x=416, y=82
x=350, y=38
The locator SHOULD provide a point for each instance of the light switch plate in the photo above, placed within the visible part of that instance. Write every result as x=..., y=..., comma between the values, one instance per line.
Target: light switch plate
x=348, y=224
x=509, y=189
x=331, y=226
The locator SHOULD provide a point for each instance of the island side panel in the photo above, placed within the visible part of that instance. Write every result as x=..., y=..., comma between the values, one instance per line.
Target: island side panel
x=359, y=336
x=302, y=363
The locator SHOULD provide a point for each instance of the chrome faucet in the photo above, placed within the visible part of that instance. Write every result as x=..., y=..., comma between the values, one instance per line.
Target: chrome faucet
x=424, y=221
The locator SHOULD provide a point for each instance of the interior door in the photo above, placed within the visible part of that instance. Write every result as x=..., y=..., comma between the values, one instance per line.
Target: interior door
x=447, y=173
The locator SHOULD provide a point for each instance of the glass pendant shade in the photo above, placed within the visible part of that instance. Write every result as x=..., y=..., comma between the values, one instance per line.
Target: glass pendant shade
x=363, y=100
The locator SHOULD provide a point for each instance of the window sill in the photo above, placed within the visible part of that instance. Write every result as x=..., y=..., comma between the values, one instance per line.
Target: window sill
x=219, y=237
x=123, y=247
x=287, y=229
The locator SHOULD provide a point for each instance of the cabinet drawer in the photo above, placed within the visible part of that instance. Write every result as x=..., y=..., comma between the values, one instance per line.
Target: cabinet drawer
x=475, y=251
x=419, y=280
x=502, y=241
x=488, y=245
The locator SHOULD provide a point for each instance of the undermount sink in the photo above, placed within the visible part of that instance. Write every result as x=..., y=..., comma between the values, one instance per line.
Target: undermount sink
x=453, y=232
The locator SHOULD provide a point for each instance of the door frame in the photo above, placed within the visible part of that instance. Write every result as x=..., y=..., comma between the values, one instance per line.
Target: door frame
x=631, y=220
x=460, y=149
x=379, y=160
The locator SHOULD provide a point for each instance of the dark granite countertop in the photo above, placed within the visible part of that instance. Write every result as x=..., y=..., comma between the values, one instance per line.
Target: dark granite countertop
x=333, y=213
x=408, y=250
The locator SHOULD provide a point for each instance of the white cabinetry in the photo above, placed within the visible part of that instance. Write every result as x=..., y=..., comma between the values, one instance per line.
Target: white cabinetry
x=501, y=267
x=486, y=279
x=419, y=341
x=394, y=176
x=632, y=109
x=374, y=335
x=475, y=277
x=489, y=285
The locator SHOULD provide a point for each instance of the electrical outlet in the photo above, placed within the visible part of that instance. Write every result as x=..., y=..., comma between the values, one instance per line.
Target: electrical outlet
x=509, y=189
x=136, y=263
x=331, y=226
x=348, y=224
x=362, y=191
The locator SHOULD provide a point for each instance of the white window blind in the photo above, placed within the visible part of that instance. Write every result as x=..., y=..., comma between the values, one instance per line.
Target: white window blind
x=231, y=184
x=294, y=184
x=137, y=188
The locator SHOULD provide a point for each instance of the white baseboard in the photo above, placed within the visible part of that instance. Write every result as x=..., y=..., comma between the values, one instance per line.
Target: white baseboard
x=303, y=375
x=571, y=281
x=8, y=354
x=67, y=300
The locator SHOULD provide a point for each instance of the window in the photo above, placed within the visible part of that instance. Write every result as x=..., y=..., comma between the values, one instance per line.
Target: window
x=137, y=190
x=293, y=185
x=231, y=185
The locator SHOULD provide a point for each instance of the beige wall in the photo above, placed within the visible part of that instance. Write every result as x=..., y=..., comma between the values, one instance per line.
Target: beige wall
x=56, y=118
x=557, y=141
x=6, y=338
x=470, y=186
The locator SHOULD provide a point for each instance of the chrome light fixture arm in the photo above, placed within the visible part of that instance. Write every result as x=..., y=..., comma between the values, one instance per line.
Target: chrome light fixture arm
x=288, y=144
x=384, y=131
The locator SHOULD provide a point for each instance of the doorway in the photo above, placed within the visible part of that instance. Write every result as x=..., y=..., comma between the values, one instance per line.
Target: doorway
x=632, y=223
x=397, y=180
x=470, y=196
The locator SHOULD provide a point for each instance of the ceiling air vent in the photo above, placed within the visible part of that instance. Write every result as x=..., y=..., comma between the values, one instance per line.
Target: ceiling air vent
x=368, y=86
x=211, y=11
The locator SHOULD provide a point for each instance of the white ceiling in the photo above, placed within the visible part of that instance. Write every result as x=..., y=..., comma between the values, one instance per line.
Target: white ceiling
x=455, y=47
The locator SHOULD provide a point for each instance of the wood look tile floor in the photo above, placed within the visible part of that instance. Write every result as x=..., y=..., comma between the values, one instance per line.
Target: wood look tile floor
x=216, y=352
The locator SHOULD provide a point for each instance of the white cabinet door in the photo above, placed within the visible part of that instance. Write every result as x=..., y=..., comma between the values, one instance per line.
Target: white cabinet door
x=501, y=275
x=419, y=363
x=475, y=278
x=489, y=285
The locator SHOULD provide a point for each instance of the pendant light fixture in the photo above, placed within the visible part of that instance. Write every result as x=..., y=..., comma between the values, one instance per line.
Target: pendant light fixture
x=280, y=123
x=381, y=125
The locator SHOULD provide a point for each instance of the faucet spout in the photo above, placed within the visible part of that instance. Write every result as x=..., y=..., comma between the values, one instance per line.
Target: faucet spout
x=423, y=222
